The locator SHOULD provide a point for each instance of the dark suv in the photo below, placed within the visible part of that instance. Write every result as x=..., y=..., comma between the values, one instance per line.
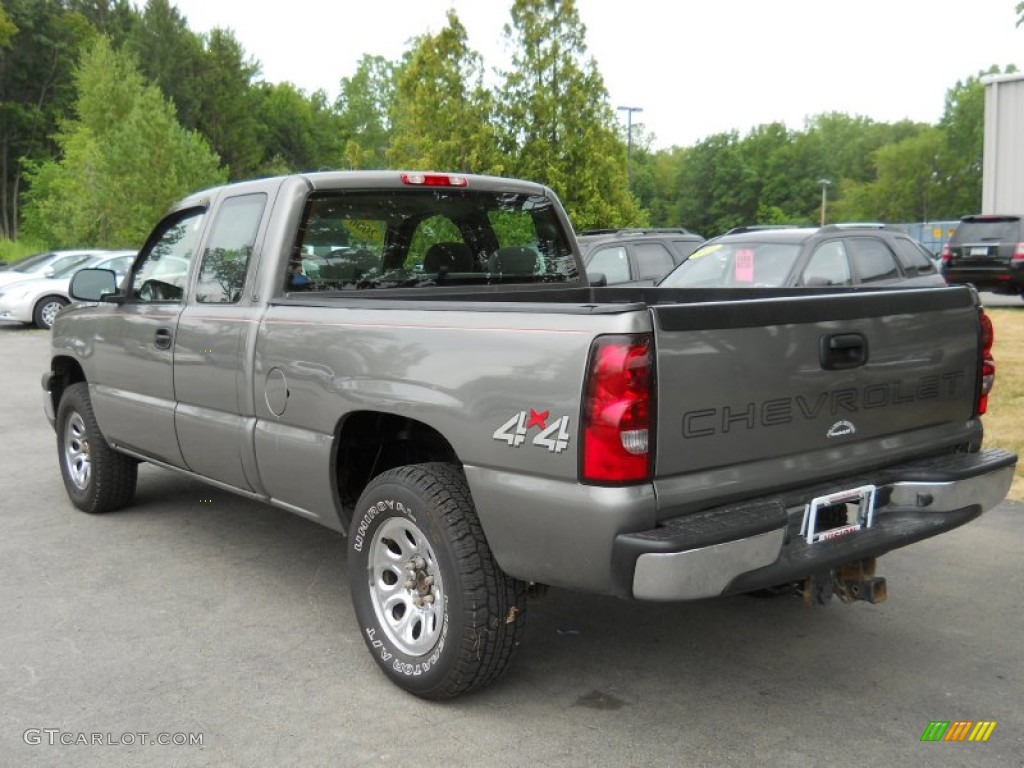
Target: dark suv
x=837, y=254
x=636, y=255
x=987, y=251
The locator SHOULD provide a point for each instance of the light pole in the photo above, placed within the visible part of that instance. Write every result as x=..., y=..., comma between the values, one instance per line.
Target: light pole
x=629, y=141
x=824, y=186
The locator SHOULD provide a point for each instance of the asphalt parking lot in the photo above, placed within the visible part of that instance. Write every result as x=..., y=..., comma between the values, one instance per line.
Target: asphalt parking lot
x=197, y=613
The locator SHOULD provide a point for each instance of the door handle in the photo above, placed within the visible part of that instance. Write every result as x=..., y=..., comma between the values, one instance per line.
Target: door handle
x=843, y=350
x=162, y=338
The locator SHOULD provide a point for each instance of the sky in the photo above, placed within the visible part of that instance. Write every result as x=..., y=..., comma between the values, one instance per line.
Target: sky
x=695, y=69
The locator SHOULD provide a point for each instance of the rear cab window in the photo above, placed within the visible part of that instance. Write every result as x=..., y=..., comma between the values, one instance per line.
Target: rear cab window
x=366, y=240
x=229, y=248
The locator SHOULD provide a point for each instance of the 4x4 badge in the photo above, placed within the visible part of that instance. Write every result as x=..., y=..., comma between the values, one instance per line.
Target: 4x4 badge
x=840, y=429
x=554, y=436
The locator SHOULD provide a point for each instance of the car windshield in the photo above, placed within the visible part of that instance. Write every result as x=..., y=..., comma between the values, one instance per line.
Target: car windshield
x=31, y=263
x=68, y=266
x=745, y=264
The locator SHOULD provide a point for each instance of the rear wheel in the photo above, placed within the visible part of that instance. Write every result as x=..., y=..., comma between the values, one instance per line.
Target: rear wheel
x=97, y=478
x=46, y=310
x=437, y=613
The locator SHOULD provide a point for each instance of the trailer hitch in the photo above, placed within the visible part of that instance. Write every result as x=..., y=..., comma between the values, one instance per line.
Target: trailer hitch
x=850, y=582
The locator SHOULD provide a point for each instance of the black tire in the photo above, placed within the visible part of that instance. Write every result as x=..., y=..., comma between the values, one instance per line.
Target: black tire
x=97, y=478
x=437, y=613
x=46, y=310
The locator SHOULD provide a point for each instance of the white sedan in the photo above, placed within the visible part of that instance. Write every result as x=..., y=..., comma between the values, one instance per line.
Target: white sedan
x=38, y=300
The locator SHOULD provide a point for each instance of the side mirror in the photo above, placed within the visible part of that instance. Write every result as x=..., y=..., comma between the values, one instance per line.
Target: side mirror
x=93, y=284
x=597, y=279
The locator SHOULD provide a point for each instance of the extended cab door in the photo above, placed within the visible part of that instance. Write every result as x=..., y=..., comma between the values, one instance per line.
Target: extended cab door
x=212, y=382
x=133, y=384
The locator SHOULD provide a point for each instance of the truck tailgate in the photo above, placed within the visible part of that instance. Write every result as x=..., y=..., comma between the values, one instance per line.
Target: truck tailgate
x=760, y=380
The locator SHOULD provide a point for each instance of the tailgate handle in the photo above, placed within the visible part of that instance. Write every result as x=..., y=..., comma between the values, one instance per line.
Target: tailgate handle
x=843, y=350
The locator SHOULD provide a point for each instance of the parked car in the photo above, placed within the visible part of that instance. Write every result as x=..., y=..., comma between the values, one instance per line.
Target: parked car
x=44, y=264
x=988, y=252
x=636, y=256
x=38, y=300
x=834, y=255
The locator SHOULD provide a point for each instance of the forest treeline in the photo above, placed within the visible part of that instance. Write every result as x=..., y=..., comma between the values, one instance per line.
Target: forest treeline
x=110, y=112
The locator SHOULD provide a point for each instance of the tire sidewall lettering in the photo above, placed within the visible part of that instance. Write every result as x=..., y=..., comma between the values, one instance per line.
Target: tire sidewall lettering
x=375, y=509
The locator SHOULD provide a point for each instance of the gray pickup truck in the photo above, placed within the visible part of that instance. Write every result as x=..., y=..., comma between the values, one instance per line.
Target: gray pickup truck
x=417, y=361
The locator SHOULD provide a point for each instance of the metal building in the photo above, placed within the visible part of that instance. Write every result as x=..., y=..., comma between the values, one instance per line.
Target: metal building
x=1002, y=185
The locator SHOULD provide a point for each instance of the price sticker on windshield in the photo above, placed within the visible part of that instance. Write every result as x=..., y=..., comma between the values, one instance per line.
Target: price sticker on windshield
x=743, y=271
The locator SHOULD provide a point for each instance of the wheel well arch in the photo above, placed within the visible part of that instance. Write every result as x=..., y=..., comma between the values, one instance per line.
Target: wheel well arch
x=66, y=371
x=46, y=296
x=370, y=442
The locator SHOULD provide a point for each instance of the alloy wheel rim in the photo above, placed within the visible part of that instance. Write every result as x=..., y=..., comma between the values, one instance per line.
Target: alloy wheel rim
x=76, y=452
x=406, y=587
x=49, y=312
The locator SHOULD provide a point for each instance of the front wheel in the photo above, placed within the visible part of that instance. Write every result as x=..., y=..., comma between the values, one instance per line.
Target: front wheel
x=437, y=613
x=97, y=478
x=46, y=310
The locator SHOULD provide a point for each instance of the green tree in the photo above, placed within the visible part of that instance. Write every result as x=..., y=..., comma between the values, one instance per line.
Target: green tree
x=840, y=148
x=229, y=103
x=362, y=108
x=115, y=19
x=906, y=185
x=556, y=125
x=959, y=167
x=7, y=28
x=655, y=184
x=36, y=61
x=124, y=159
x=441, y=114
x=717, y=186
x=297, y=132
x=170, y=55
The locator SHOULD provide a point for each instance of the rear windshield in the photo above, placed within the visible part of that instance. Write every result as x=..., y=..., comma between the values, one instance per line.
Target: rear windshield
x=423, y=238
x=746, y=264
x=987, y=231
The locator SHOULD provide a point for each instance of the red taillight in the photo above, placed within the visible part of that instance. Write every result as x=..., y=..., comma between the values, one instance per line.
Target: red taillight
x=1018, y=252
x=947, y=252
x=435, y=180
x=618, y=410
x=988, y=363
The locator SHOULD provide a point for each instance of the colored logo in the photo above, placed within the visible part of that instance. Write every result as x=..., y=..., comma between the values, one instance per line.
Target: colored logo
x=958, y=730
